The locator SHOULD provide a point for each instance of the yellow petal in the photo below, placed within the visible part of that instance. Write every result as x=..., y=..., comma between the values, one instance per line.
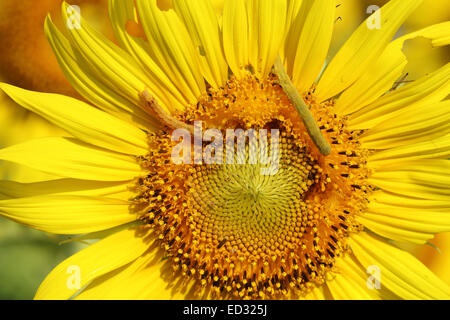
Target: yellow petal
x=67, y=157
x=398, y=171
x=410, y=189
x=201, y=21
x=267, y=23
x=437, y=148
x=235, y=35
x=82, y=120
x=89, y=84
x=401, y=272
x=439, y=34
x=109, y=60
x=96, y=260
x=381, y=76
x=411, y=227
x=408, y=203
x=19, y=173
x=414, y=182
x=294, y=31
x=313, y=43
x=429, y=89
x=377, y=80
x=121, y=14
x=350, y=281
x=116, y=190
x=172, y=48
x=149, y=277
x=363, y=48
x=293, y=9
x=426, y=179
x=64, y=214
x=413, y=124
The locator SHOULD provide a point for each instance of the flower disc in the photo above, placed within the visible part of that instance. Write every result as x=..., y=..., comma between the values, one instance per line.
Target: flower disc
x=243, y=232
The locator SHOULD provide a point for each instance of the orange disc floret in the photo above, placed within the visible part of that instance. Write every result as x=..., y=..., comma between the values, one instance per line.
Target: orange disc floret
x=248, y=235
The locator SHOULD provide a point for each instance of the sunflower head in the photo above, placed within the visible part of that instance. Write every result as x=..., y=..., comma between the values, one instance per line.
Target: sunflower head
x=248, y=234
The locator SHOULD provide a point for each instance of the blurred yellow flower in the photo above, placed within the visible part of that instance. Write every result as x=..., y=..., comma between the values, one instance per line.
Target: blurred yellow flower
x=27, y=60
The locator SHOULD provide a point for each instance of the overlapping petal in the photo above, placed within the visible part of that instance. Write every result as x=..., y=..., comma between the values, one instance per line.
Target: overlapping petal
x=425, y=91
x=70, y=158
x=350, y=283
x=89, y=83
x=66, y=214
x=82, y=120
x=123, y=14
x=203, y=26
x=116, y=190
x=96, y=260
x=307, y=49
x=236, y=35
x=363, y=48
x=266, y=23
x=148, y=277
x=438, y=148
x=172, y=49
x=413, y=124
x=382, y=75
x=401, y=272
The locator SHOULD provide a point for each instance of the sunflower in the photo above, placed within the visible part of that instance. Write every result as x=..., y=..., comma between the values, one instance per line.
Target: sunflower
x=362, y=159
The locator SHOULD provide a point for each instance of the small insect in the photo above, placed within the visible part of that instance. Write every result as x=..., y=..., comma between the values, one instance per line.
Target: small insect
x=221, y=244
x=402, y=80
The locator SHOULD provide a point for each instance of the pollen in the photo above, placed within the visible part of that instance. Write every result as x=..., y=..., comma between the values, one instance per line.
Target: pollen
x=243, y=234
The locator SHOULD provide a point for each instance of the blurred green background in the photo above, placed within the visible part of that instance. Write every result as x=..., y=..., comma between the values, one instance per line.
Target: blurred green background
x=26, y=257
